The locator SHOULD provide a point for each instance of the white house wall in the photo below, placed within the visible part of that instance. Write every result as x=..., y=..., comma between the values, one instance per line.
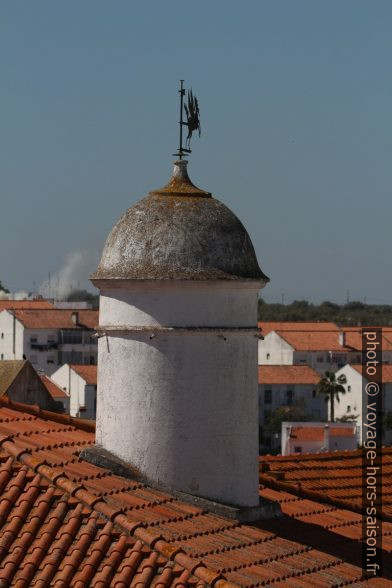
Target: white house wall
x=11, y=337
x=351, y=402
x=81, y=394
x=316, y=406
x=44, y=360
x=273, y=350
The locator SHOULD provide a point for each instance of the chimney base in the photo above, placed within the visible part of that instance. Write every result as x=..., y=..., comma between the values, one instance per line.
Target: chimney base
x=266, y=509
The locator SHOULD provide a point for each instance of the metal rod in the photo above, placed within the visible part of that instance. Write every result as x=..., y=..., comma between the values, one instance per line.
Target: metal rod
x=182, y=93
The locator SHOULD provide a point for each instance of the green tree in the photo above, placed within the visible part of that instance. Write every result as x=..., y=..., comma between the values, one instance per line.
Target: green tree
x=292, y=412
x=330, y=387
x=3, y=288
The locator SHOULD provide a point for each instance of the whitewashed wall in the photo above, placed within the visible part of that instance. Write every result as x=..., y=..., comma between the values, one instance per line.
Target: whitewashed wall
x=181, y=406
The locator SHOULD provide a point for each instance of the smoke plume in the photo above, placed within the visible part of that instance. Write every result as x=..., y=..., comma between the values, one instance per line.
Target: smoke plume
x=74, y=272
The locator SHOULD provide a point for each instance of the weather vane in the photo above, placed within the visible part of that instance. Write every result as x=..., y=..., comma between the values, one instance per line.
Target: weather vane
x=192, y=122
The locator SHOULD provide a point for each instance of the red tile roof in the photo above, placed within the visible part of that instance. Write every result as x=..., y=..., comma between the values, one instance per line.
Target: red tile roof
x=57, y=319
x=317, y=433
x=287, y=374
x=87, y=372
x=32, y=304
x=268, y=326
x=334, y=477
x=321, y=341
x=52, y=388
x=65, y=522
x=318, y=340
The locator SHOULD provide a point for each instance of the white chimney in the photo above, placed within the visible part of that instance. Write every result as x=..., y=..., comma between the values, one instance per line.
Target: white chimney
x=75, y=317
x=342, y=338
x=177, y=367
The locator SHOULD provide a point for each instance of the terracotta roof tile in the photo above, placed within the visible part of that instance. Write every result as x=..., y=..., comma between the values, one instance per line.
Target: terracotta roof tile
x=317, y=433
x=334, y=478
x=54, y=390
x=328, y=340
x=287, y=374
x=87, y=372
x=69, y=523
x=27, y=304
x=56, y=318
x=321, y=341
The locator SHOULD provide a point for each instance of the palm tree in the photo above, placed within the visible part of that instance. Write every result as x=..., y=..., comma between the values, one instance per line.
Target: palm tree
x=330, y=386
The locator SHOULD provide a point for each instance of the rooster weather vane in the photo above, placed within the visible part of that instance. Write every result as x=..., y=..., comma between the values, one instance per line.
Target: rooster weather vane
x=193, y=121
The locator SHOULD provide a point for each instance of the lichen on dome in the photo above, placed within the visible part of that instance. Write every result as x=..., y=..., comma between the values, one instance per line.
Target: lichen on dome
x=179, y=232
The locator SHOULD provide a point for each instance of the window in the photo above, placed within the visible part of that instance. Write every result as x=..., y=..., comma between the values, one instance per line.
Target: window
x=2, y=356
x=267, y=414
x=348, y=408
x=297, y=449
x=33, y=338
x=2, y=335
x=71, y=337
x=267, y=396
x=50, y=360
x=289, y=396
x=314, y=393
x=267, y=355
x=320, y=359
x=348, y=388
x=51, y=339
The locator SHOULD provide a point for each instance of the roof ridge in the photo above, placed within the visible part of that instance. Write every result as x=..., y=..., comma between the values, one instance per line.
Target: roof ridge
x=58, y=478
x=58, y=417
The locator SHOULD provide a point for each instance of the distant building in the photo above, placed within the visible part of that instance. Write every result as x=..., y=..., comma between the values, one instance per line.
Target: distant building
x=321, y=350
x=21, y=383
x=318, y=437
x=316, y=346
x=351, y=402
x=79, y=382
x=49, y=338
x=284, y=385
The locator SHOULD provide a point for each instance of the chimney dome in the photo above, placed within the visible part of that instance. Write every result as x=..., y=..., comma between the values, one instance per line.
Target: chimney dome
x=179, y=232
x=177, y=367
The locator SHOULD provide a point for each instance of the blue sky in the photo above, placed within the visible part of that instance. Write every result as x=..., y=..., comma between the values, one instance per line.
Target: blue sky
x=295, y=102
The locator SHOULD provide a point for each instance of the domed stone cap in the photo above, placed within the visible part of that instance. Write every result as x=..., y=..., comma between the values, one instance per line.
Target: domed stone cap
x=179, y=232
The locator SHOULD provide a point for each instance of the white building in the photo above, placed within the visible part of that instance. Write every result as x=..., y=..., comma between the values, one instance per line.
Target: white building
x=351, y=402
x=48, y=337
x=306, y=437
x=79, y=382
x=177, y=385
x=320, y=348
x=284, y=386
